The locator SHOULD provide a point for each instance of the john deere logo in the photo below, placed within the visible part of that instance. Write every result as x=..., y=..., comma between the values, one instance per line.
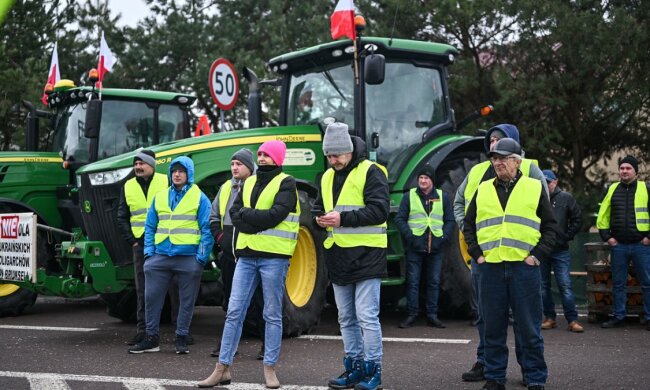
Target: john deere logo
x=87, y=207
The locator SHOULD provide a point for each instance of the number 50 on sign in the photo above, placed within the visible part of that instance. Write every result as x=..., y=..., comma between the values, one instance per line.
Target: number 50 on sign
x=224, y=84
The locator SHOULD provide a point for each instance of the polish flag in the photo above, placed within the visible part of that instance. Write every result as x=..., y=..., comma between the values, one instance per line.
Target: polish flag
x=106, y=61
x=342, y=20
x=54, y=74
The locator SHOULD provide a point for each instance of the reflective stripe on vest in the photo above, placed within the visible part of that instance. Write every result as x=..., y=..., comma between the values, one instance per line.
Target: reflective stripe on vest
x=180, y=225
x=478, y=171
x=508, y=235
x=224, y=195
x=138, y=204
x=419, y=221
x=351, y=199
x=640, y=208
x=280, y=239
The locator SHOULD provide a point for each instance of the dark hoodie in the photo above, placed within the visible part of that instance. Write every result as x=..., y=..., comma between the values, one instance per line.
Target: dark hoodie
x=511, y=131
x=351, y=265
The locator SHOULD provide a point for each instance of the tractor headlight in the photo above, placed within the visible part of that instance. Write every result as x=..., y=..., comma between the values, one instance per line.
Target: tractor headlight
x=110, y=177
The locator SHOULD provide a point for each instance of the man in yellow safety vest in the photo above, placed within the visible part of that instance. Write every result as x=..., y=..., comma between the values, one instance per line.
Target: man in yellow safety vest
x=509, y=227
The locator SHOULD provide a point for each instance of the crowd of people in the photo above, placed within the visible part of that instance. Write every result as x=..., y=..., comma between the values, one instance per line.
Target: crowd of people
x=515, y=219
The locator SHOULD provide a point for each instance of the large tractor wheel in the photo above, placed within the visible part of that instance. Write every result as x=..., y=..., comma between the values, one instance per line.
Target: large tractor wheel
x=306, y=282
x=455, y=287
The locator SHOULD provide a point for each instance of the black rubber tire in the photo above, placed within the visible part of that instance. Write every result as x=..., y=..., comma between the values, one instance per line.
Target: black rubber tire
x=299, y=320
x=124, y=306
x=210, y=294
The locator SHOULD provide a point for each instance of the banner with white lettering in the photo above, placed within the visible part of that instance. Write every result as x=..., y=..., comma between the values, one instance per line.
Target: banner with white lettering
x=18, y=247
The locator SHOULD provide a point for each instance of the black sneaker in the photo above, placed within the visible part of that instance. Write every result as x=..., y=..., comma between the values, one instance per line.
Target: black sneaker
x=137, y=338
x=408, y=322
x=435, y=322
x=181, y=345
x=613, y=323
x=492, y=385
x=475, y=374
x=149, y=344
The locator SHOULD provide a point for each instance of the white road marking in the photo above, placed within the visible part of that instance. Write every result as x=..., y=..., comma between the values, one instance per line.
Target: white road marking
x=393, y=339
x=57, y=328
x=50, y=381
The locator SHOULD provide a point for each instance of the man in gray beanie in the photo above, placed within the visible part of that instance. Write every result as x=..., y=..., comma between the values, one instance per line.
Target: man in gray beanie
x=135, y=199
x=337, y=139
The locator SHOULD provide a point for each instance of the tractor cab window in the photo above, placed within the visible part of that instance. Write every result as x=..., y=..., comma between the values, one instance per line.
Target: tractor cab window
x=401, y=109
x=320, y=93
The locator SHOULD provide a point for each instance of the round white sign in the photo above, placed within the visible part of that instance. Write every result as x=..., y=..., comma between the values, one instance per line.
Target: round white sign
x=224, y=84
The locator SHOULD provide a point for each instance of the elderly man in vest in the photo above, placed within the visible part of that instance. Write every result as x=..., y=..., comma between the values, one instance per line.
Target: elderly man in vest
x=509, y=227
x=135, y=199
x=177, y=242
x=425, y=219
x=267, y=214
x=354, y=198
x=624, y=223
x=479, y=173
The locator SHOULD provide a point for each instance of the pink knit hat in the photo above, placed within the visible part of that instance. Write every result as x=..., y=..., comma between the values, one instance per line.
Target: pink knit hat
x=275, y=149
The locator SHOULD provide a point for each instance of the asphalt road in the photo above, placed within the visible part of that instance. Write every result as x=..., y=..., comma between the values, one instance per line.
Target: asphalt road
x=85, y=348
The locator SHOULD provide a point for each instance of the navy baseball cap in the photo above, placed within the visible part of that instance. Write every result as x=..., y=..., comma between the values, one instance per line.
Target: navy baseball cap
x=549, y=175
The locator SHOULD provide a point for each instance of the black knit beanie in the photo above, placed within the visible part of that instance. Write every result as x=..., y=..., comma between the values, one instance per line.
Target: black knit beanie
x=630, y=160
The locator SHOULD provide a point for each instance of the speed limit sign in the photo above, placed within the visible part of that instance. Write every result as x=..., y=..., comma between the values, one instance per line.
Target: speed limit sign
x=224, y=84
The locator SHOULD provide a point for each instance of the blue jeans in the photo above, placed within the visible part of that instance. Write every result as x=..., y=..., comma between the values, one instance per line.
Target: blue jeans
x=560, y=263
x=358, y=306
x=513, y=285
x=433, y=266
x=621, y=256
x=158, y=273
x=248, y=273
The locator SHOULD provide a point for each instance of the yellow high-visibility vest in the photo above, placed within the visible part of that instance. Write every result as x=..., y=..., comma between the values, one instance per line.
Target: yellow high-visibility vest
x=280, y=239
x=510, y=234
x=419, y=220
x=640, y=208
x=224, y=194
x=180, y=225
x=350, y=199
x=478, y=171
x=138, y=203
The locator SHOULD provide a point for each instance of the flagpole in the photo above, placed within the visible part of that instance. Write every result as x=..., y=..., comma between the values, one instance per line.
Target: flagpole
x=356, y=64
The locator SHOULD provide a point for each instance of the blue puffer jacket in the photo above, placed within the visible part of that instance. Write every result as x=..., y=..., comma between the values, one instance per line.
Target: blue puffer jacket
x=202, y=250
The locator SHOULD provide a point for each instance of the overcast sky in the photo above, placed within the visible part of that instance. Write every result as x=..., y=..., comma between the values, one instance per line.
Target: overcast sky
x=132, y=10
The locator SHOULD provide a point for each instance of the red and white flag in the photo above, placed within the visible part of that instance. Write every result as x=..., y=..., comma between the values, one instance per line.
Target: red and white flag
x=342, y=20
x=106, y=61
x=54, y=75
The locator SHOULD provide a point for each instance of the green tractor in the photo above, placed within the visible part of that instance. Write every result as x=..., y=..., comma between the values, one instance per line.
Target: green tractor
x=398, y=102
x=77, y=129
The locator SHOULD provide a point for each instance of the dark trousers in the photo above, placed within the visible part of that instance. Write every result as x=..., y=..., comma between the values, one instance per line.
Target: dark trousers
x=432, y=263
x=138, y=270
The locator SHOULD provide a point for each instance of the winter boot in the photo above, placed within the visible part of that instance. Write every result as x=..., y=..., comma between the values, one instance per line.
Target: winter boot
x=220, y=376
x=270, y=378
x=372, y=381
x=353, y=374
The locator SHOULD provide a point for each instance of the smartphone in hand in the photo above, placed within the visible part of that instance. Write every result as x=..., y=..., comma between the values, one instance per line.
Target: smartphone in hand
x=317, y=213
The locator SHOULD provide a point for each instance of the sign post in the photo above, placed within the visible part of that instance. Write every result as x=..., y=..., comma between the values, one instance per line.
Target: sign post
x=224, y=86
x=18, y=247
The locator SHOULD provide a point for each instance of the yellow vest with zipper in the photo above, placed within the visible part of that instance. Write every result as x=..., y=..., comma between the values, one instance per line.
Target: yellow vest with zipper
x=419, y=221
x=640, y=208
x=350, y=199
x=138, y=204
x=478, y=171
x=280, y=239
x=180, y=225
x=510, y=234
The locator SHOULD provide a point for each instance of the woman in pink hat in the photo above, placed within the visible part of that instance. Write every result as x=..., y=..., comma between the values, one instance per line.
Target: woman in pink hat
x=266, y=212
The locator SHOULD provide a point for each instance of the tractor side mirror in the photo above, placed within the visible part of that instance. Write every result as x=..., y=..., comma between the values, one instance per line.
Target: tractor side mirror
x=375, y=68
x=93, y=118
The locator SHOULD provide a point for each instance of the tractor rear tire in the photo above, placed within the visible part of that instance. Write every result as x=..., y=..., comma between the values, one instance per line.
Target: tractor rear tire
x=14, y=299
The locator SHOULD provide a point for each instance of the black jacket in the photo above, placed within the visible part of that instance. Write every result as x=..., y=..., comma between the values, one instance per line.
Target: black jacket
x=252, y=220
x=420, y=243
x=568, y=217
x=124, y=214
x=544, y=212
x=351, y=265
x=622, y=224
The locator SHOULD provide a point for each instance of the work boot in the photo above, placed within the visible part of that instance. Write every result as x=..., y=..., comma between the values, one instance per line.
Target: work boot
x=270, y=378
x=137, y=338
x=149, y=344
x=475, y=374
x=372, y=381
x=492, y=385
x=408, y=322
x=435, y=322
x=181, y=345
x=613, y=323
x=353, y=374
x=220, y=376
x=549, y=323
x=260, y=354
x=574, y=326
